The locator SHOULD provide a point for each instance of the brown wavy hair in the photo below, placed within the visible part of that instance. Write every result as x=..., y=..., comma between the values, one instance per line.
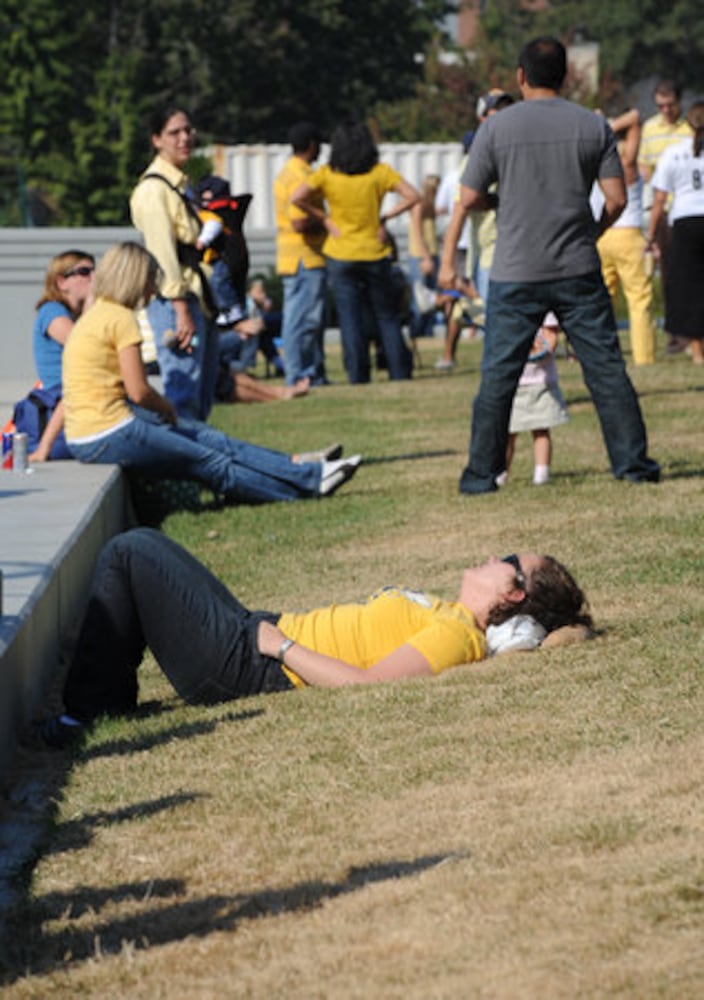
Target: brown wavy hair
x=58, y=266
x=554, y=599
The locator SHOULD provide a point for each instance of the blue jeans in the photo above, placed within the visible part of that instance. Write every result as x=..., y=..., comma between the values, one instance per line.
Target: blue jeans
x=238, y=471
x=303, y=324
x=481, y=282
x=356, y=283
x=189, y=376
x=237, y=352
x=224, y=292
x=583, y=307
x=421, y=324
x=148, y=591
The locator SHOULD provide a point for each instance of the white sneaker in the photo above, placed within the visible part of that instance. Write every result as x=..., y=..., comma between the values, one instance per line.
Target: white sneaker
x=229, y=317
x=443, y=365
x=424, y=297
x=334, y=474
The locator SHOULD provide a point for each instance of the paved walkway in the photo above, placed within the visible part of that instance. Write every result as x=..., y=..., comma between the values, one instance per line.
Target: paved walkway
x=54, y=520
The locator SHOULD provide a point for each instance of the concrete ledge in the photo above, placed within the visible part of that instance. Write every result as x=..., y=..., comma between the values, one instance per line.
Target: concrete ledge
x=53, y=522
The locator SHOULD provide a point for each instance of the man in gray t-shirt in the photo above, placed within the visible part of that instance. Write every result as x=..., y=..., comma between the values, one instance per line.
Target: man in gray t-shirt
x=545, y=154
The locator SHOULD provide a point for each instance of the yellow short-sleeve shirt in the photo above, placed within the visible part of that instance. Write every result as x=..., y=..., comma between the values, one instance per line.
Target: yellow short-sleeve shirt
x=94, y=394
x=354, y=205
x=444, y=632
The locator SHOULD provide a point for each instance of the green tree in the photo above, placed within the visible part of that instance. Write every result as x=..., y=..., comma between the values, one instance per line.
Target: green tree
x=638, y=39
x=442, y=106
x=78, y=88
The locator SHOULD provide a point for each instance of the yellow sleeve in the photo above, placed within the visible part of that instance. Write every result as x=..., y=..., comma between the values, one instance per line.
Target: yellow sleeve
x=446, y=644
x=154, y=206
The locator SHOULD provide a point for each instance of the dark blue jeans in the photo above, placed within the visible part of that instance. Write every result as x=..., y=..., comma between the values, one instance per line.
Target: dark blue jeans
x=354, y=284
x=149, y=592
x=514, y=312
x=236, y=470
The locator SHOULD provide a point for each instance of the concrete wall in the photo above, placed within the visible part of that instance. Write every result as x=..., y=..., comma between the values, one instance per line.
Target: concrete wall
x=24, y=255
x=54, y=523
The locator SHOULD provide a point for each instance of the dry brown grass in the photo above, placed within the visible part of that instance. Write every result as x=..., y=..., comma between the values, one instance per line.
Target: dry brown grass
x=528, y=827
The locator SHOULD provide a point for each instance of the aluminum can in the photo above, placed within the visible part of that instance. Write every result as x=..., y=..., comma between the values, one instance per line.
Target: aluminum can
x=19, y=452
x=7, y=450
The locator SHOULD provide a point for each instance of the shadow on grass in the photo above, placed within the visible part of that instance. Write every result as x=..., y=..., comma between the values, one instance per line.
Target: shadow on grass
x=147, y=741
x=33, y=786
x=36, y=951
x=76, y=834
x=411, y=456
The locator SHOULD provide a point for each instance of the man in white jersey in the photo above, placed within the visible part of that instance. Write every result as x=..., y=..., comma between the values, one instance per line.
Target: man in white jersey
x=545, y=153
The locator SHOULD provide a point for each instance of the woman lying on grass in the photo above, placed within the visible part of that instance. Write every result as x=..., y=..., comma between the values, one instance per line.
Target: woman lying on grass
x=148, y=591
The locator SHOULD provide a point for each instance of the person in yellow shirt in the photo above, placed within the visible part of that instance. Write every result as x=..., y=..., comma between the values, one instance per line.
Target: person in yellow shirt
x=622, y=246
x=357, y=247
x=300, y=263
x=149, y=592
x=659, y=132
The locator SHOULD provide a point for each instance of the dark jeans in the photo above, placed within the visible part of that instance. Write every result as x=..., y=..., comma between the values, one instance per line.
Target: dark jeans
x=148, y=591
x=514, y=313
x=354, y=283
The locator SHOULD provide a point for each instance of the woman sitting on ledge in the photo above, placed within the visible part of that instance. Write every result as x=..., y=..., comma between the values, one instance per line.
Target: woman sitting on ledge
x=114, y=416
x=149, y=592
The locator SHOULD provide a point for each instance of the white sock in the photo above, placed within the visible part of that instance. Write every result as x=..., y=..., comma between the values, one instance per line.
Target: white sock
x=541, y=474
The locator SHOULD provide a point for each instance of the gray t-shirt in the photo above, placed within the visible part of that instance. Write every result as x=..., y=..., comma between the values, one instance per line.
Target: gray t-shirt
x=545, y=155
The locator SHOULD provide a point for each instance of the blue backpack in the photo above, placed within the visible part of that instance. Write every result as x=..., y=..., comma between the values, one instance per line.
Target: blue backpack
x=32, y=414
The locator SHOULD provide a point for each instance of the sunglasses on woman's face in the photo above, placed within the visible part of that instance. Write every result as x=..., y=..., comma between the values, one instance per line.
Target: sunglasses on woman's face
x=84, y=271
x=514, y=561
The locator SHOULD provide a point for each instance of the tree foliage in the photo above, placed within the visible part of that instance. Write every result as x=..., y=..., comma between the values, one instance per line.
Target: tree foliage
x=78, y=86
x=638, y=39
x=79, y=89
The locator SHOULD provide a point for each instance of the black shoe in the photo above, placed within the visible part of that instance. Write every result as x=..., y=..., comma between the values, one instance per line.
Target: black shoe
x=53, y=733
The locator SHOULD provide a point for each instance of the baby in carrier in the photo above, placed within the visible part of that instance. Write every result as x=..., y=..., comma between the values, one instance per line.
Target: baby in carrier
x=224, y=247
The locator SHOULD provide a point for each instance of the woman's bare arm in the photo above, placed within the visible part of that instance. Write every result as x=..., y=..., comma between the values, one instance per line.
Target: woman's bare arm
x=60, y=328
x=51, y=432
x=319, y=670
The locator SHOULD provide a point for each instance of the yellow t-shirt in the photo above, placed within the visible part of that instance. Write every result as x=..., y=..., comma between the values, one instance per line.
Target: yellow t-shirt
x=94, y=394
x=354, y=205
x=656, y=136
x=293, y=248
x=445, y=632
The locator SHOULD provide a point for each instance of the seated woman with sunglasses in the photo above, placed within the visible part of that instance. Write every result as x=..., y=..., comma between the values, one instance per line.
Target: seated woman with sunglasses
x=149, y=592
x=67, y=291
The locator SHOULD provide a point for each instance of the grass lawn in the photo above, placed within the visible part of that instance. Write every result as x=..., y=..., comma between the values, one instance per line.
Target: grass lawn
x=531, y=826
